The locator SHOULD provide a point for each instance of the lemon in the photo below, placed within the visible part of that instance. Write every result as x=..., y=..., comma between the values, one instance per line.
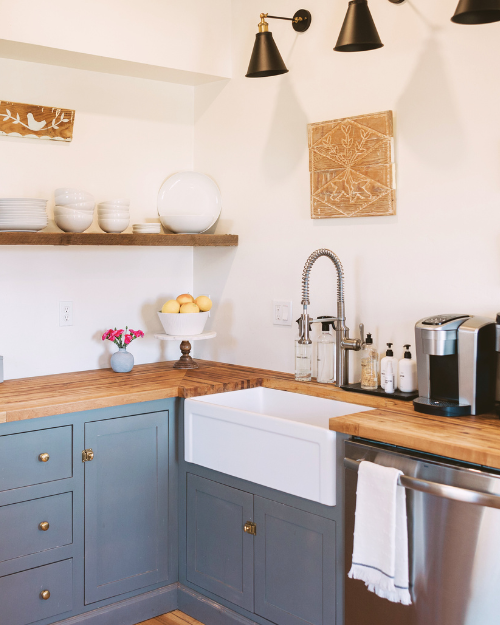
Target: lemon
x=204, y=303
x=172, y=306
x=185, y=298
x=190, y=307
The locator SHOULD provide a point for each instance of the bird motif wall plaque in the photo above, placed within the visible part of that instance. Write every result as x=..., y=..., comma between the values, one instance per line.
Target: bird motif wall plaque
x=32, y=121
x=351, y=167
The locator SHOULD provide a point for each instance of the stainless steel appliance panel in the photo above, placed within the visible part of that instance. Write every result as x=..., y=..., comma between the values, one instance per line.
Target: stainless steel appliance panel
x=454, y=546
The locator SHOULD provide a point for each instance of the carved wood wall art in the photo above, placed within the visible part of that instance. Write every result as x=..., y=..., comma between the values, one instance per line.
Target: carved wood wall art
x=32, y=121
x=351, y=167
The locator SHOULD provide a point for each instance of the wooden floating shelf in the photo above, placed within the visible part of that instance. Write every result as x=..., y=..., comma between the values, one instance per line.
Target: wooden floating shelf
x=151, y=240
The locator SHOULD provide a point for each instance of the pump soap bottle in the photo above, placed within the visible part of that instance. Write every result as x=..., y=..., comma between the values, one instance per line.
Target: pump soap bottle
x=389, y=356
x=408, y=380
x=369, y=365
x=326, y=353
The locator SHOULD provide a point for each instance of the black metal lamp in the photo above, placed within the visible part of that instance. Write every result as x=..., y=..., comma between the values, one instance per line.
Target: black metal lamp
x=477, y=12
x=358, y=32
x=266, y=59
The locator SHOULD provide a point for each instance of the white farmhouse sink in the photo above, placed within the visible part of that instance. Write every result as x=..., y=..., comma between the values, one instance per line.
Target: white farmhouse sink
x=274, y=438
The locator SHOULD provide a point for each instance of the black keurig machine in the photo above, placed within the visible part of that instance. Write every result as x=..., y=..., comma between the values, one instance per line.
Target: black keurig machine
x=456, y=365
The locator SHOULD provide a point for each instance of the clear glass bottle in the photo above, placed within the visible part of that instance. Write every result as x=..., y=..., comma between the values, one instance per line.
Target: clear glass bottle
x=303, y=356
x=303, y=361
x=326, y=354
x=369, y=365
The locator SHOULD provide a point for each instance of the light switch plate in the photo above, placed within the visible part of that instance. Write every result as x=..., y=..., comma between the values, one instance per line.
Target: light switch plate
x=282, y=312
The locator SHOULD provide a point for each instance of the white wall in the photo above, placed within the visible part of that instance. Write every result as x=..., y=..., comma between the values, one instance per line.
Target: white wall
x=129, y=135
x=192, y=35
x=440, y=253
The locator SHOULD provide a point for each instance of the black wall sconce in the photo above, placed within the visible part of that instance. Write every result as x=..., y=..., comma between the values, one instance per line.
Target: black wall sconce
x=359, y=33
x=266, y=59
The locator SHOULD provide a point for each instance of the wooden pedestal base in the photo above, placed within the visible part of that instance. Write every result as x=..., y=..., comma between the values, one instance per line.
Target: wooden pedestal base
x=185, y=361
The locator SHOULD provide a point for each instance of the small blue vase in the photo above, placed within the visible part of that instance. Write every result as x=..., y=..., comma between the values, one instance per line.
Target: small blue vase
x=122, y=361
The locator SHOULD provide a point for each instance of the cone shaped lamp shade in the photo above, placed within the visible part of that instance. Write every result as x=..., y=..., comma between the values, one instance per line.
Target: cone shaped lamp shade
x=358, y=32
x=266, y=59
x=477, y=12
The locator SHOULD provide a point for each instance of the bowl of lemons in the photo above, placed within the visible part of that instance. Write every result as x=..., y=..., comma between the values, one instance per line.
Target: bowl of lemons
x=185, y=315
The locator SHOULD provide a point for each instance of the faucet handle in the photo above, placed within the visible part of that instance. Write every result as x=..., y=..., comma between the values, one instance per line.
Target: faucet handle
x=362, y=332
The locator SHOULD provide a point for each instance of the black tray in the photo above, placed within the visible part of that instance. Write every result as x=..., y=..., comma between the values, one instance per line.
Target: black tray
x=356, y=388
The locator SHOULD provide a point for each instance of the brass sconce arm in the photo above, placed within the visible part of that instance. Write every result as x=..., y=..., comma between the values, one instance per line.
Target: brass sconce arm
x=300, y=21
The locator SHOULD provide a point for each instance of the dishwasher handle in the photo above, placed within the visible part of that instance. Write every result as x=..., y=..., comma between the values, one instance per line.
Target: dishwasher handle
x=440, y=490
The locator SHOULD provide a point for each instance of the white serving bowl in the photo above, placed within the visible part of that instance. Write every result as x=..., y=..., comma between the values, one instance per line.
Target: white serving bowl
x=188, y=224
x=112, y=225
x=68, y=191
x=78, y=222
x=88, y=205
x=183, y=323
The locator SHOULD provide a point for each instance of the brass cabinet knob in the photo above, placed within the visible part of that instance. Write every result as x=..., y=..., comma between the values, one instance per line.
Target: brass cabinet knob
x=43, y=457
x=44, y=526
x=45, y=594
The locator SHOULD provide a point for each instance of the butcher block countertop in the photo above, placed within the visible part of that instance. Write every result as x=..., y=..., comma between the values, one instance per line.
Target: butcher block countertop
x=471, y=439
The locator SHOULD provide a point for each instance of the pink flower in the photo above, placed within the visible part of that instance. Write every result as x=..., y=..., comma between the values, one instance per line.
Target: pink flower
x=106, y=335
x=128, y=339
x=139, y=333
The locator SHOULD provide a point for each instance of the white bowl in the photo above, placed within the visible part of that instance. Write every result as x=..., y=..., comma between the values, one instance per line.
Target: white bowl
x=188, y=224
x=113, y=211
x=110, y=206
x=69, y=191
x=79, y=222
x=67, y=210
x=183, y=323
x=116, y=226
x=84, y=205
x=117, y=202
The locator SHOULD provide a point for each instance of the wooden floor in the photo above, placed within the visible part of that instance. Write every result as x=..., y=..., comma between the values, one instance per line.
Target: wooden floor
x=172, y=618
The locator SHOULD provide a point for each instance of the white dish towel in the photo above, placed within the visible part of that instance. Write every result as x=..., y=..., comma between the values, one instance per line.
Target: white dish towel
x=380, y=554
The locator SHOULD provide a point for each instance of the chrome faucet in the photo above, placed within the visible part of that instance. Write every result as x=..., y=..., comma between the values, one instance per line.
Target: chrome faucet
x=344, y=343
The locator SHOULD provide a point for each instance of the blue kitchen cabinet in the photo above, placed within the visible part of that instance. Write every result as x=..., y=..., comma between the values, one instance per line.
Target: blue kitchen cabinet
x=219, y=552
x=284, y=572
x=126, y=505
x=294, y=565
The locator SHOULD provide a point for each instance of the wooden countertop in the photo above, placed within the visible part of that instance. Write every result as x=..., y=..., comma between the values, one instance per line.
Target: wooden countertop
x=472, y=439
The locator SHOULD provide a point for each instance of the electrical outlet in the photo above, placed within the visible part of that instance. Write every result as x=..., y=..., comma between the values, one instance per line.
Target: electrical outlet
x=65, y=313
x=282, y=313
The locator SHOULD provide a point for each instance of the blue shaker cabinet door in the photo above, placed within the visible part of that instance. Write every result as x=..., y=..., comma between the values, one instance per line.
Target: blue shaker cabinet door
x=294, y=565
x=219, y=552
x=126, y=505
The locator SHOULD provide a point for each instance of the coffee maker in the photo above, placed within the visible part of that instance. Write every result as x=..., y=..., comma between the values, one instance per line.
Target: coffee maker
x=456, y=365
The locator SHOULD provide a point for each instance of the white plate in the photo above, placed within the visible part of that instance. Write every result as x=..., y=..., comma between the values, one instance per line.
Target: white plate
x=20, y=228
x=189, y=193
x=22, y=199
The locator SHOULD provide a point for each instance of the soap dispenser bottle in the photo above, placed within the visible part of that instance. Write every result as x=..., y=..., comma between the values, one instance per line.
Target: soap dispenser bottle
x=325, y=346
x=408, y=381
x=369, y=365
x=389, y=356
x=303, y=356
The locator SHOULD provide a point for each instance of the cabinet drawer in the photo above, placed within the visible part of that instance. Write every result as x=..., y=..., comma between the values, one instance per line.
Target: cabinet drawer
x=20, y=462
x=20, y=594
x=20, y=530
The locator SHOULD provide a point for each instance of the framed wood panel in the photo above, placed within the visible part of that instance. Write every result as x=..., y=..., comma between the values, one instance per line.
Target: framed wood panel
x=351, y=167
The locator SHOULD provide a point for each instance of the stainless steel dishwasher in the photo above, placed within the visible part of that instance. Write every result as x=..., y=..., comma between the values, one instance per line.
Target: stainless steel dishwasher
x=454, y=537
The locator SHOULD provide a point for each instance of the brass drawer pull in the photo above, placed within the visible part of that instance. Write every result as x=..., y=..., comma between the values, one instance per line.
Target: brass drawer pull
x=45, y=594
x=43, y=457
x=44, y=526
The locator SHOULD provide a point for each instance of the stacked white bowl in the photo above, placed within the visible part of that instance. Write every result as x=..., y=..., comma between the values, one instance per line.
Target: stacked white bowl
x=22, y=214
x=114, y=215
x=74, y=210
